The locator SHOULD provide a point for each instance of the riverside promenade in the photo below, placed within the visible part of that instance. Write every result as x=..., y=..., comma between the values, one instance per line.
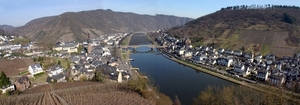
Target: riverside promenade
x=256, y=86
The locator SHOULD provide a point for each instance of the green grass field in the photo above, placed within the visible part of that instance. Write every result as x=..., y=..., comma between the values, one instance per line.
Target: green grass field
x=265, y=49
x=64, y=63
x=23, y=72
x=124, y=56
x=231, y=42
x=40, y=77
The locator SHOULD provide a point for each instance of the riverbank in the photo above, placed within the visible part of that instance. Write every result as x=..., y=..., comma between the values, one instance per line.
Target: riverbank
x=141, y=82
x=210, y=72
x=125, y=42
x=256, y=86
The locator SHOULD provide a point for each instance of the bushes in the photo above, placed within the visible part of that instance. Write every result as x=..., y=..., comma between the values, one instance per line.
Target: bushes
x=139, y=85
x=233, y=95
x=289, y=19
x=4, y=80
x=146, y=89
x=98, y=76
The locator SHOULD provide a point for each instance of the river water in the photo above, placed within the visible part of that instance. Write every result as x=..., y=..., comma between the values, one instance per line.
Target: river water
x=172, y=78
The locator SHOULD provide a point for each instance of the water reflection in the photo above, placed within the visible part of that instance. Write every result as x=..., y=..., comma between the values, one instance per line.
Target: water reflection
x=173, y=78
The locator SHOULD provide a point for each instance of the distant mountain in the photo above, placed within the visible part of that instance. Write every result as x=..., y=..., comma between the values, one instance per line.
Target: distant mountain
x=256, y=28
x=7, y=28
x=77, y=25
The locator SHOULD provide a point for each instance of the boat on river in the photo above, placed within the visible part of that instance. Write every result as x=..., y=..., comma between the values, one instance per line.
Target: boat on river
x=131, y=59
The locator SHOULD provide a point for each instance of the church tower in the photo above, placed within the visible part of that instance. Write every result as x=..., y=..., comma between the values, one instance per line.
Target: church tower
x=89, y=44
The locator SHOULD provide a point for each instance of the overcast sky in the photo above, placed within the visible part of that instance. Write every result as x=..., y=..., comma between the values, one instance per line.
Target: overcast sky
x=19, y=12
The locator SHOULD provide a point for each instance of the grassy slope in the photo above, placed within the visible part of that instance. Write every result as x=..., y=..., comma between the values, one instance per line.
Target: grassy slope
x=64, y=62
x=21, y=40
x=231, y=42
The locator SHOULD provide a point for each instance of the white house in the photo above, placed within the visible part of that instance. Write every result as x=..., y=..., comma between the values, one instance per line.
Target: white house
x=35, y=69
x=221, y=50
x=4, y=47
x=279, y=66
x=110, y=42
x=70, y=47
x=106, y=53
x=239, y=68
x=212, y=50
x=224, y=61
x=200, y=58
x=188, y=54
x=55, y=70
x=205, y=48
x=9, y=88
x=181, y=51
x=237, y=53
x=59, y=78
x=242, y=70
x=230, y=52
x=262, y=74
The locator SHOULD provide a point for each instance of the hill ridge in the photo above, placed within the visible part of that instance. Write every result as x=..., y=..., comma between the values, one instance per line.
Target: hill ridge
x=224, y=29
x=76, y=25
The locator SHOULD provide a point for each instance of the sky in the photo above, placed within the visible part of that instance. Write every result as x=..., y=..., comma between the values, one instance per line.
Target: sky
x=19, y=12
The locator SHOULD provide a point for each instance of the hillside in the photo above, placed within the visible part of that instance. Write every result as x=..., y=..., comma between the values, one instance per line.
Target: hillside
x=260, y=29
x=77, y=25
x=77, y=93
x=7, y=28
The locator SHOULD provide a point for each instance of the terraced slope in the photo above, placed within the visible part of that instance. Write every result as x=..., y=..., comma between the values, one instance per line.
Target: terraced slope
x=78, y=93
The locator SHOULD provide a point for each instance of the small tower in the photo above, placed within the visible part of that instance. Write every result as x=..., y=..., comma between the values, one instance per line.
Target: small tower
x=188, y=41
x=89, y=44
x=120, y=77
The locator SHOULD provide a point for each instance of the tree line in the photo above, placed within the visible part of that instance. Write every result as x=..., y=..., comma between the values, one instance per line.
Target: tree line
x=257, y=6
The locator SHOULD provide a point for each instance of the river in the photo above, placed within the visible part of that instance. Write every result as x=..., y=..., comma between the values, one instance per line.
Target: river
x=172, y=78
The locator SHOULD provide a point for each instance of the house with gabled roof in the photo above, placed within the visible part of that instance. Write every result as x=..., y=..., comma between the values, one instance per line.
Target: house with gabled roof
x=225, y=61
x=35, y=69
x=262, y=74
x=243, y=70
x=199, y=58
x=188, y=53
x=22, y=83
x=58, y=78
x=237, y=53
x=276, y=80
x=55, y=70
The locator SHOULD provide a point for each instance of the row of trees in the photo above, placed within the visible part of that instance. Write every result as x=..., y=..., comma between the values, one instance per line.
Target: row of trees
x=256, y=6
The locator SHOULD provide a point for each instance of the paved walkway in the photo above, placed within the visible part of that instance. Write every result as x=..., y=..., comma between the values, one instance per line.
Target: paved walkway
x=259, y=87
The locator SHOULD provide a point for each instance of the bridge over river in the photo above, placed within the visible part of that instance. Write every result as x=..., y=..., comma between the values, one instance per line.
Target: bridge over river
x=136, y=46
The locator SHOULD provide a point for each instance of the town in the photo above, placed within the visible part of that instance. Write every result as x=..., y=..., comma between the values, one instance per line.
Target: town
x=245, y=66
x=65, y=62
